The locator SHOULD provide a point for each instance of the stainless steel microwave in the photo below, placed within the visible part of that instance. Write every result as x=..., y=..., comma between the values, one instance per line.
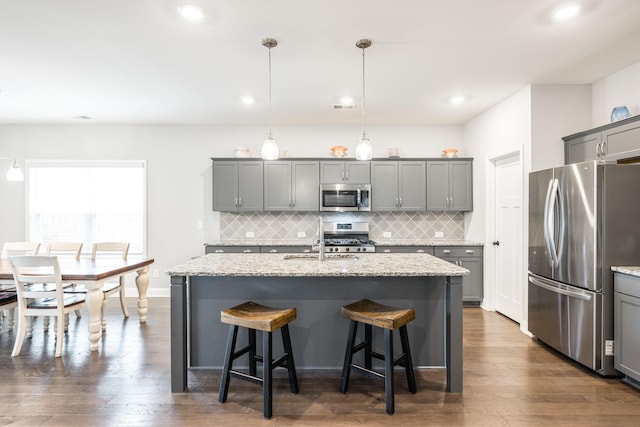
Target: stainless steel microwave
x=345, y=197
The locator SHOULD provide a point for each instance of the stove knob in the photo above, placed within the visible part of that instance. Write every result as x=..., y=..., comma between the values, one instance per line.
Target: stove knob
x=346, y=249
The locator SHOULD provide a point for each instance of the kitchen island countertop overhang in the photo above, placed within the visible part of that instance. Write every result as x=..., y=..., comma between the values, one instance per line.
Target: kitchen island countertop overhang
x=202, y=286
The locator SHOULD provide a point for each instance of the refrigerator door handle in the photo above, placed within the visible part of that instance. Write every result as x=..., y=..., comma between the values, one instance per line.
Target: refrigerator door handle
x=562, y=223
x=574, y=294
x=548, y=219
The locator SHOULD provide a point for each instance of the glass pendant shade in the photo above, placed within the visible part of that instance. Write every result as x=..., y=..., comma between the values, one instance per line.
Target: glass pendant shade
x=15, y=173
x=363, y=149
x=270, y=148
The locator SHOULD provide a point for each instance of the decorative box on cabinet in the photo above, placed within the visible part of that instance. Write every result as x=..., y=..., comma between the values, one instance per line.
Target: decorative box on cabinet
x=469, y=257
x=345, y=172
x=237, y=186
x=398, y=185
x=291, y=185
x=449, y=185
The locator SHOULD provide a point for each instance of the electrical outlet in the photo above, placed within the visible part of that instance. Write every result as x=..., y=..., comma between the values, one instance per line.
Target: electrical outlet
x=386, y=234
x=156, y=272
x=199, y=225
x=302, y=234
x=250, y=235
x=439, y=235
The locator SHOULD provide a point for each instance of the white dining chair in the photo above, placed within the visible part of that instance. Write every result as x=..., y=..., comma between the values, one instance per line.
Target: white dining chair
x=48, y=301
x=9, y=249
x=70, y=250
x=103, y=249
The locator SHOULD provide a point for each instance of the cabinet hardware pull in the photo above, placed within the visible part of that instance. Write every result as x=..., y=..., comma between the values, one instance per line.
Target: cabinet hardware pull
x=273, y=251
x=247, y=251
x=469, y=251
x=446, y=251
x=219, y=251
x=400, y=201
x=239, y=201
x=420, y=251
x=387, y=251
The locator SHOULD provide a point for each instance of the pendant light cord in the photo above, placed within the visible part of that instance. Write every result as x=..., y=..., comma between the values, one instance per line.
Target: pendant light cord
x=270, y=93
x=363, y=93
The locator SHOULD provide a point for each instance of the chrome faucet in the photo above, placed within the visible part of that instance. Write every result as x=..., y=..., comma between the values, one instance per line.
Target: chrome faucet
x=318, y=241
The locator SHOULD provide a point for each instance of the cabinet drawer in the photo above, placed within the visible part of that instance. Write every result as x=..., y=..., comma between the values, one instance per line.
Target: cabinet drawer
x=405, y=249
x=457, y=251
x=285, y=249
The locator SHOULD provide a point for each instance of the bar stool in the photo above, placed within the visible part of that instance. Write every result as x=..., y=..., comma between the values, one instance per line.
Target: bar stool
x=389, y=318
x=254, y=317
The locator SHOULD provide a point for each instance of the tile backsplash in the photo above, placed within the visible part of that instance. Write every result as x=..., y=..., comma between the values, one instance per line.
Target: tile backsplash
x=287, y=225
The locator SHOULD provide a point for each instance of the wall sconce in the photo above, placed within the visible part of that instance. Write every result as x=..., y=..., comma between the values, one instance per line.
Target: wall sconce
x=14, y=173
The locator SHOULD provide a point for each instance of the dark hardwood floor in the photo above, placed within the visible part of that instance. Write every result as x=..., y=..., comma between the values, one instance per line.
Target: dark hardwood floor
x=510, y=380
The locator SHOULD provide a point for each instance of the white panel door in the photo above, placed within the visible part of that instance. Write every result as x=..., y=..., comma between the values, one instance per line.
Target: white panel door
x=508, y=238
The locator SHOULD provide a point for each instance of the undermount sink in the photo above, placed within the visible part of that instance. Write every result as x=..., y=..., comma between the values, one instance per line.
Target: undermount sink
x=327, y=257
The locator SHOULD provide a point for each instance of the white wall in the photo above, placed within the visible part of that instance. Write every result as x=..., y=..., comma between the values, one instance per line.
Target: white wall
x=179, y=169
x=620, y=88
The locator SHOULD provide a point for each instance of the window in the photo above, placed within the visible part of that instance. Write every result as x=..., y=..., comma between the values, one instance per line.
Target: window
x=87, y=201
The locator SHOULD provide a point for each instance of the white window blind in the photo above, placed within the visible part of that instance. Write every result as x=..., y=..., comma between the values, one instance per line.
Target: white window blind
x=87, y=201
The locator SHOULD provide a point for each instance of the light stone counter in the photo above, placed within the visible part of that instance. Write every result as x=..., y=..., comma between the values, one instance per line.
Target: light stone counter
x=630, y=270
x=334, y=265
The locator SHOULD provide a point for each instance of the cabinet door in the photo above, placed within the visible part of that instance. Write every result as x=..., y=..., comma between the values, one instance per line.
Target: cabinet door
x=332, y=172
x=225, y=186
x=621, y=142
x=384, y=186
x=582, y=148
x=277, y=186
x=472, y=291
x=460, y=186
x=437, y=185
x=250, y=191
x=412, y=192
x=358, y=172
x=305, y=185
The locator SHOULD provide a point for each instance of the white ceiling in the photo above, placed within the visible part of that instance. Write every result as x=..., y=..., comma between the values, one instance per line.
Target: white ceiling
x=138, y=62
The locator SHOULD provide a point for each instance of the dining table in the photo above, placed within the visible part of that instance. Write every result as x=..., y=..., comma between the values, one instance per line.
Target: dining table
x=93, y=274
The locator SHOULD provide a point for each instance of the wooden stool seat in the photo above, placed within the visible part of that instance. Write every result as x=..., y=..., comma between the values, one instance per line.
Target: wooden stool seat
x=381, y=316
x=254, y=317
x=388, y=318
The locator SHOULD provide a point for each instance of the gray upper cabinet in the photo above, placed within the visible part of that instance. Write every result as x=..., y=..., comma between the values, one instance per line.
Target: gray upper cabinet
x=291, y=185
x=237, y=186
x=449, y=185
x=345, y=172
x=398, y=185
x=614, y=141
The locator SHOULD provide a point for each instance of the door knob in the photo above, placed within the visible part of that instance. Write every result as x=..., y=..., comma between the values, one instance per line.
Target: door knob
x=496, y=243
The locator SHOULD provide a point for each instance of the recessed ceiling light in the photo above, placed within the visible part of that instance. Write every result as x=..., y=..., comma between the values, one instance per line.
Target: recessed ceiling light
x=456, y=100
x=247, y=100
x=566, y=12
x=192, y=12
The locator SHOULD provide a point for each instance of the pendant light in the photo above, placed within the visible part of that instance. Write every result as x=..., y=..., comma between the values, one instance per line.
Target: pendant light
x=269, y=148
x=15, y=172
x=363, y=149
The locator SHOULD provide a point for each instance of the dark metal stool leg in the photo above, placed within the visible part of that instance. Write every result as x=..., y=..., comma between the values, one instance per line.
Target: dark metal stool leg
x=368, y=337
x=228, y=363
x=291, y=366
x=388, y=370
x=408, y=362
x=252, y=352
x=348, y=356
x=267, y=373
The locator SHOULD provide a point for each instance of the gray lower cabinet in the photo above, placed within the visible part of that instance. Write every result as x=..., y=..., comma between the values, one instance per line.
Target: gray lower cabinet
x=469, y=257
x=222, y=249
x=450, y=185
x=626, y=311
x=237, y=186
x=291, y=185
x=398, y=186
x=345, y=172
x=613, y=141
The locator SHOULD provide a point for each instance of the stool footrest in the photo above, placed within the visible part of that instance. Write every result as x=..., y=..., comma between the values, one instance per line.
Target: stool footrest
x=368, y=372
x=247, y=377
x=240, y=352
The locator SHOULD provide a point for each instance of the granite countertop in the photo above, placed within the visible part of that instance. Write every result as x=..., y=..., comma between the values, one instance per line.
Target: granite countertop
x=307, y=242
x=307, y=265
x=630, y=270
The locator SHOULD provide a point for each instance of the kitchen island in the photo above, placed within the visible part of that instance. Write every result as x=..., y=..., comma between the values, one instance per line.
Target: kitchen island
x=202, y=287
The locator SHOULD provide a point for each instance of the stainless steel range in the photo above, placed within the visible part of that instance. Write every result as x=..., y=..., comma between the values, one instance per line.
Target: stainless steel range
x=347, y=237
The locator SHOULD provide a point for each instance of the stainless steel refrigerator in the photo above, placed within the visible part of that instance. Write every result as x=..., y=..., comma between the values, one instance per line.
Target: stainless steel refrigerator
x=583, y=218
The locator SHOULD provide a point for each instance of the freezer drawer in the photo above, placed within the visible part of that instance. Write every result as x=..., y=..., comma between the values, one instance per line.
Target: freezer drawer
x=567, y=319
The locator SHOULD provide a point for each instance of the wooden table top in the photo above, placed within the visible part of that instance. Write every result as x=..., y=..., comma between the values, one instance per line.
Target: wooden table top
x=86, y=269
